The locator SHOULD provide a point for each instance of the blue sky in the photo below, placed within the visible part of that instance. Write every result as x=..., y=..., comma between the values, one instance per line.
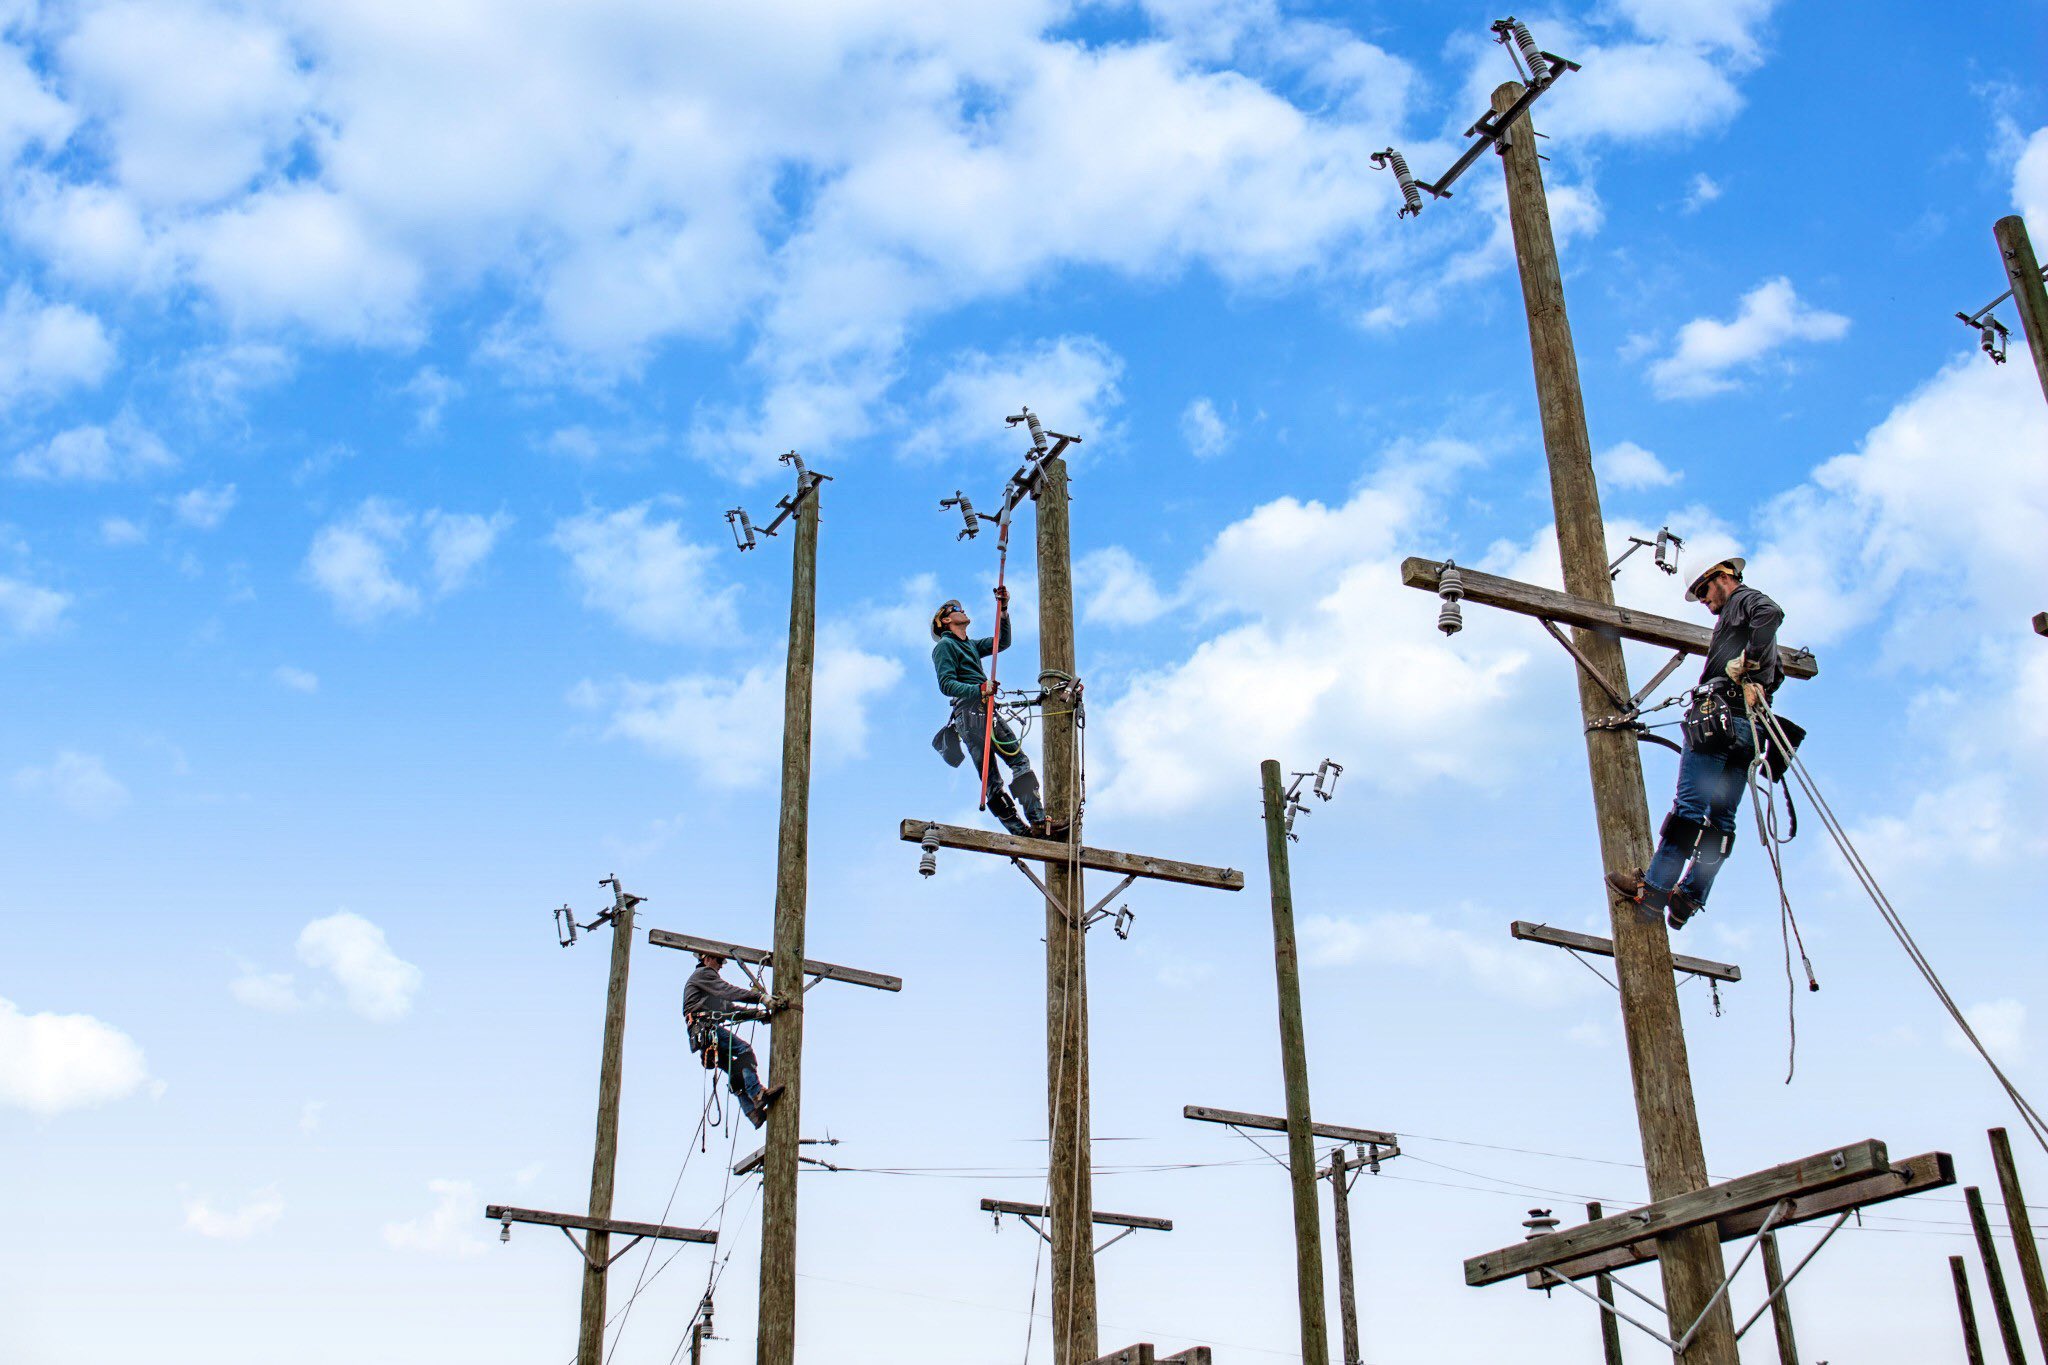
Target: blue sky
x=374, y=383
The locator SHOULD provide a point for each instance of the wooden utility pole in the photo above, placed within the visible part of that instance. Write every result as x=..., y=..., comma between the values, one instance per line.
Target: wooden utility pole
x=1603, y=1289
x=2029, y=296
x=604, y=1164
x=1994, y=1277
x=2022, y=1226
x=1973, y=1346
x=1672, y=1154
x=1781, y=1305
x=1301, y=1153
x=777, y=1340
x=1066, y=950
x=1347, y=1292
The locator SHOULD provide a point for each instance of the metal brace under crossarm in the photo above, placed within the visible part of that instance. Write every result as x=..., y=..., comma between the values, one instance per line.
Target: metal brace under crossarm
x=1678, y=1347
x=1028, y=1213
x=1096, y=912
x=639, y=1232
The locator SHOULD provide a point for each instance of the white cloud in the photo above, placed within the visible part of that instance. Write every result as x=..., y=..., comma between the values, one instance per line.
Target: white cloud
x=1708, y=351
x=48, y=348
x=458, y=542
x=258, y=1214
x=30, y=609
x=2030, y=182
x=310, y=1115
x=1115, y=589
x=30, y=114
x=1413, y=940
x=50, y=1063
x=298, y=255
x=1204, y=429
x=2001, y=1025
x=646, y=575
x=205, y=508
x=1728, y=24
x=1703, y=191
x=379, y=985
x=121, y=531
x=271, y=992
x=78, y=782
x=730, y=728
x=352, y=558
x=96, y=454
x=296, y=679
x=1070, y=382
x=453, y=1227
x=433, y=391
x=1352, y=664
x=1628, y=465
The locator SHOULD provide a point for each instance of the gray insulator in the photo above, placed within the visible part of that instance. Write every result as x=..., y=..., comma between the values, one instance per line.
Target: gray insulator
x=1037, y=431
x=1450, y=587
x=928, y=860
x=1540, y=1224
x=1410, y=195
x=1539, y=68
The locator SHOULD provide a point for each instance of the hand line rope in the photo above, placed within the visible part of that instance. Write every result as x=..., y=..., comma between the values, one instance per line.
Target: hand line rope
x=2035, y=1124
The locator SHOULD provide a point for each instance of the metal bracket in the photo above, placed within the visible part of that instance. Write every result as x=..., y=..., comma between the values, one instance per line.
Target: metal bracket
x=1098, y=911
x=1045, y=890
x=1614, y=694
x=1991, y=333
x=590, y=1260
x=807, y=481
x=1679, y=1346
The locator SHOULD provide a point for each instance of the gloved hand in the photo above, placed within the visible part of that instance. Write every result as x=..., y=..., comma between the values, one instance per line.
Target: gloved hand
x=1753, y=696
x=1002, y=594
x=1739, y=668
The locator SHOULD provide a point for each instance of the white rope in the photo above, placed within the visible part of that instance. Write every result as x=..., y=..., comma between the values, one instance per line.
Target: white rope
x=2032, y=1117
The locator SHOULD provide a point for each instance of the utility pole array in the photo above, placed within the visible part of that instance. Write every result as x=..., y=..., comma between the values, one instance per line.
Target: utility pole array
x=1063, y=863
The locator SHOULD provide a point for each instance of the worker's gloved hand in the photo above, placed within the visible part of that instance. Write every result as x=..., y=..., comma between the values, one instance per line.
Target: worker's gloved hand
x=987, y=687
x=1753, y=696
x=1739, y=668
x=1002, y=595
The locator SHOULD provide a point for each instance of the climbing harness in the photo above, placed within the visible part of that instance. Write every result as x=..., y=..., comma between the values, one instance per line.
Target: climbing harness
x=2036, y=1124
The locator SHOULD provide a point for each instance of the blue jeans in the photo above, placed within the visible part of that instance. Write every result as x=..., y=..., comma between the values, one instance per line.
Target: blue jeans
x=737, y=1061
x=1709, y=793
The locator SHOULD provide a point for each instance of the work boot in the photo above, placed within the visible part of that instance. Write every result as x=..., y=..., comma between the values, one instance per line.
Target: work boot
x=1632, y=887
x=769, y=1096
x=1682, y=907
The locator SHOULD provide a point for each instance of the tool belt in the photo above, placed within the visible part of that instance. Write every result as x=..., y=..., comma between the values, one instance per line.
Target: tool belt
x=1710, y=719
x=703, y=1030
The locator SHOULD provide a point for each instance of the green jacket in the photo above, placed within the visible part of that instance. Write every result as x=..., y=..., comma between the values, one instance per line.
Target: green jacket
x=958, y=661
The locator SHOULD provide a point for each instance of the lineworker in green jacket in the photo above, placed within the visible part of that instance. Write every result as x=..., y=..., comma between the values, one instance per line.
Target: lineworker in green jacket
x=957, y=661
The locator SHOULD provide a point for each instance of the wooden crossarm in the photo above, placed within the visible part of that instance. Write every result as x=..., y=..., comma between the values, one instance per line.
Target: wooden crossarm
x=1549, y=604
x=1115, y=1220
x=1368, y=1136
x=1141, y=1354
x=1604, y=947
x=1193, y=1355
x=1051, y=851
x=1758, y=1191
x=1928, y=1171
x=498, y=1213
x=662, y=938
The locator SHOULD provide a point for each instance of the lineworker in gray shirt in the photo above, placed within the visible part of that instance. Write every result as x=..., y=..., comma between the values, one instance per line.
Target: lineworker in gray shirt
x=710, y=1005
x=1741, y=672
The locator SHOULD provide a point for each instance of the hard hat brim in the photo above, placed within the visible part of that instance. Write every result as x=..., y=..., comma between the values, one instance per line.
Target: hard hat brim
x=1733, y=564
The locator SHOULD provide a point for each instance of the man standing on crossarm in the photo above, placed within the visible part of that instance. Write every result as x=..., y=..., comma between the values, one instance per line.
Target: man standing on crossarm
x=711, y=1005
x=957, y=661
x=1741, y=673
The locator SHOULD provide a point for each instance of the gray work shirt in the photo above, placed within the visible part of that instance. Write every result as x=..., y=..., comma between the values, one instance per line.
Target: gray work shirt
x=1746, y=628
x=706, y=992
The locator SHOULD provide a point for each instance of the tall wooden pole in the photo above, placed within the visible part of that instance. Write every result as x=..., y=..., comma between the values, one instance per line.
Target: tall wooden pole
x=2023, y=273
x=777, y=1341
x=1994, y=1278
x=1603, y=1288
x=1781, y=1305
x=2022, y=1226
x=1672, y=1155
x=1973, y=1346
x=1301, y=1152
x=1347, y=1292
x=1066, y=953
x=604, y=1165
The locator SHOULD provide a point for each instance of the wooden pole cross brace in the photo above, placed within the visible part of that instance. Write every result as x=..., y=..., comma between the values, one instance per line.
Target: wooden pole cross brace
x=1017, y=846
x=1145, y=1353
x=1547, y=604
x=1027, y=1213
x=639, y=1232
x=762, y=957
x=1604, y=947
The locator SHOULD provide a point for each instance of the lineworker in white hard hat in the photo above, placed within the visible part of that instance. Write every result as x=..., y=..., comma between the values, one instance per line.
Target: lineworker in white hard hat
x=1741, y=672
